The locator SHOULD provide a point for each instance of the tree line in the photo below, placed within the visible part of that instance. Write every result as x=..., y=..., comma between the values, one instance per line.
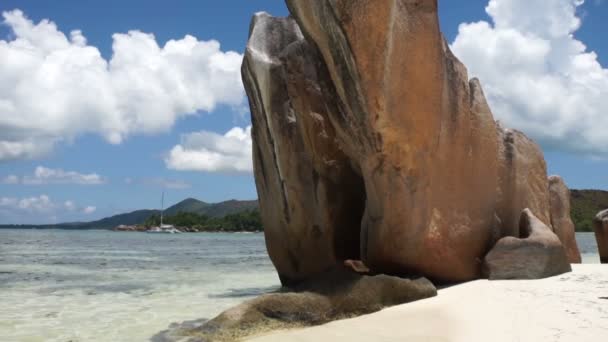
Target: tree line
x=245, y=221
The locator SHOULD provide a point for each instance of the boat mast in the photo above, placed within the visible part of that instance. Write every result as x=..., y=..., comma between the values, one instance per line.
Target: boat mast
x=162, y=207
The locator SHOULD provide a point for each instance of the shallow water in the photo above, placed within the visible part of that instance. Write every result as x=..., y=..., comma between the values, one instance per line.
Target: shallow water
x=588, y=248
x=58, y=285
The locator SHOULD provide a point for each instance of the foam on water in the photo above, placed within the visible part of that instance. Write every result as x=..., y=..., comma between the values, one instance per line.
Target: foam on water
x=105, y=286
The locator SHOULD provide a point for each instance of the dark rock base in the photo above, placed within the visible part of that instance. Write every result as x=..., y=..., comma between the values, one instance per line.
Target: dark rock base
x=336, y=294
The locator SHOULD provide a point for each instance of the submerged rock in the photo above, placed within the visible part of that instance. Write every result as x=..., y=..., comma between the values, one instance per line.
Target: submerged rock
x=337, y=294
x=600, y=226
x=560, y=218
x=371, y=143
x=536, y=254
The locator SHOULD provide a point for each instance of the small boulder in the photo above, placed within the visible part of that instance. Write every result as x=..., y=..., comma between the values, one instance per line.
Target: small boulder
x=600, y=226
x=357, y=266
x=335, y=294
x=538, y=253
x=559, y=199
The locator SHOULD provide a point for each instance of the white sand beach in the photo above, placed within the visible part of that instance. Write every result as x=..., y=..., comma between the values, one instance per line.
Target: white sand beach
x=569, y=307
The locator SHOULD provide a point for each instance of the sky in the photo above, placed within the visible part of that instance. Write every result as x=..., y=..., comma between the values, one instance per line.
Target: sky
x=103, y=105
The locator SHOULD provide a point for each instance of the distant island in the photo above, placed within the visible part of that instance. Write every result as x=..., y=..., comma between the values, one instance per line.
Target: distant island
x=189, y=215
x=231, y=216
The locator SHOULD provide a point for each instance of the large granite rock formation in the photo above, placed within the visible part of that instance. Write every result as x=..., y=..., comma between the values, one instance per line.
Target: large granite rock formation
x=536, y=253
x=371, y=143
x=600, y=226
x=563, y=226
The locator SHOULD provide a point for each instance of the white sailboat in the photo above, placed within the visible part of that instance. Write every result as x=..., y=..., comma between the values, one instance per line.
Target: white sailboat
x=163, y=228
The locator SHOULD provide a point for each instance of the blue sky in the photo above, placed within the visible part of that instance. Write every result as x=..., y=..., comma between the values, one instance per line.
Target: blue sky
x=86, y=174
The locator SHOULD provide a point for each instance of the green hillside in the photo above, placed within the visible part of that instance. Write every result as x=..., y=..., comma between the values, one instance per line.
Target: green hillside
x=189, y=205
x=228, y=207
x=135, y=217
x=221, y=209
x=585, y=205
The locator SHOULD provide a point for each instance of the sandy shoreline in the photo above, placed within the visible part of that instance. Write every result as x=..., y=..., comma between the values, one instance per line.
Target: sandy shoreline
x=570, y=307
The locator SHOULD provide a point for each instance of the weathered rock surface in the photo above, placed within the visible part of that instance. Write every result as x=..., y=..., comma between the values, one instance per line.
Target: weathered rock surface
x=600, y=226
x=560, y=218
x=339, y=293
x=311, y=200
x=536, y=254
x=371, y=143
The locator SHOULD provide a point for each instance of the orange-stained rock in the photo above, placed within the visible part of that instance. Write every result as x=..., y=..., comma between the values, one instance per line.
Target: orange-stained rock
x=536, y=253
x=522, y=181
x=560, y=218
x=371, y=143
x=443, y=181
x=600, y=226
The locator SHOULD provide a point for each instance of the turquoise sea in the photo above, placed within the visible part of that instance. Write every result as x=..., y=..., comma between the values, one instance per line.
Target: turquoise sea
x=60, y=285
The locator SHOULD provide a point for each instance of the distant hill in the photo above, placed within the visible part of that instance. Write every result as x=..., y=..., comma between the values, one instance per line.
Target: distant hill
x=230, y=207
x=585, y=205
x=190, y=205
x=135, y=217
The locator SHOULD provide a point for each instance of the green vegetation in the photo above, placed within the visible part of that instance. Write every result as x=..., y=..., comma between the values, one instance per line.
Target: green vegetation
x=192, y=205
x=585, y=205
x=244, y=221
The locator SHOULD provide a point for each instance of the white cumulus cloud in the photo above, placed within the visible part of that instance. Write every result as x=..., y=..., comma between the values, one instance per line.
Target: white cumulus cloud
x=537, y=76
x=212, y=152
x=69, y=205
x=89, y=209
x=41, y=203
x=45, y=175
x=37, y=204
x=55, y=87
x=10, y=179
x=37, y=208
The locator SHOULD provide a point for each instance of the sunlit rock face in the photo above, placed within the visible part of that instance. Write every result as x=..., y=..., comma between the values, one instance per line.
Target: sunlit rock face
x=560, y=218
x=371, y=143
x=600, y=227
